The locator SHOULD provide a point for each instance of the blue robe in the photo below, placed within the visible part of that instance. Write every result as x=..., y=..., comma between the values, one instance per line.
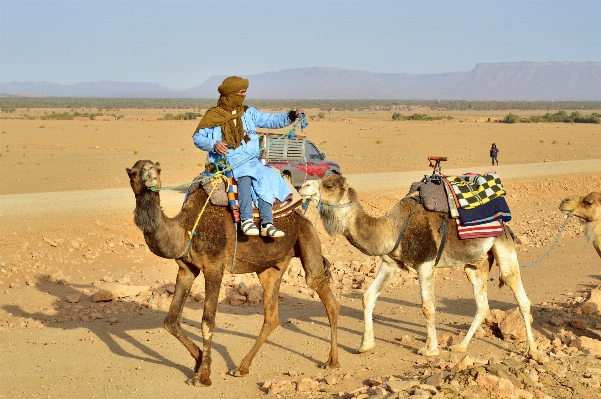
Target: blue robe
x=266, y=182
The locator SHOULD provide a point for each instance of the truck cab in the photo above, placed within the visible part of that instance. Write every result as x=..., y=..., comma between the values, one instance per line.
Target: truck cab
x=298, y=159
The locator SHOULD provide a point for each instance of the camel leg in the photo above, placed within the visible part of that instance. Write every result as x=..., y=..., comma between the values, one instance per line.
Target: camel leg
x=425, y=273
x=332, y=309
x=385, y=275
x=507, y=259
x=183, y=284
x=271, y=280
x=213, y=277
x=478, y=276
x=317, y=275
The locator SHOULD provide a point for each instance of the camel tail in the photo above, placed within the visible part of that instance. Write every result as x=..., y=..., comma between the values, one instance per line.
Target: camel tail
x=326, y=267
x=511, y=233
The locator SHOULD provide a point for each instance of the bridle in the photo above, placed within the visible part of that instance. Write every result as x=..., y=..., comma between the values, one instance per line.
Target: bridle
x=320, y=205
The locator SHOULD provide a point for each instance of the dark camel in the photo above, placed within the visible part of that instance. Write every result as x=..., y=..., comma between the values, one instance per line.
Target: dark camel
x=212, y=251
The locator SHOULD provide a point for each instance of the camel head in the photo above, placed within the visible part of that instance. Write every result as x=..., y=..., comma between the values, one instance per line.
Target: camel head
x=335, y=198
x=332, y=190
x=144, y=175
x=587, y=207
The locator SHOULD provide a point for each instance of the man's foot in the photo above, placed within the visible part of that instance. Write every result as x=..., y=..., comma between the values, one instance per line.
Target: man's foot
x=269, y=230
x=249, y=228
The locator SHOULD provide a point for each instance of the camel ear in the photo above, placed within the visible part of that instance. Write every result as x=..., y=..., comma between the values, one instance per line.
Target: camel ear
x=157, y=167
x=128, y=170
x=346, y=184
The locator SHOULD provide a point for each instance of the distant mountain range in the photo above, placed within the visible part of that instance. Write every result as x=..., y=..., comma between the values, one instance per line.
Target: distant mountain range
x=539, y=81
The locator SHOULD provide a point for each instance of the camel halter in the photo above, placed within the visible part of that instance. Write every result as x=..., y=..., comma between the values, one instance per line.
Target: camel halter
x=320, y=205
x=552, y=246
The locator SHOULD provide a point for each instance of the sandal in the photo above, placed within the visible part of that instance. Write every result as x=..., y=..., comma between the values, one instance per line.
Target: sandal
x=269, y=230
x=249, y=228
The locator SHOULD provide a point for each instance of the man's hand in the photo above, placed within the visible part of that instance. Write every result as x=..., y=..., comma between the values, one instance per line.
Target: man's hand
x=299, y=112
x=220, y=148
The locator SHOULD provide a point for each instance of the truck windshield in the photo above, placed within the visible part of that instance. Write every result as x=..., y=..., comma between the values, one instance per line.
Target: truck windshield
x=312, y=152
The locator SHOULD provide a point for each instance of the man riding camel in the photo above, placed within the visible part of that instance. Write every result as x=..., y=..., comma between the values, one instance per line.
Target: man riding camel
x=230, y=129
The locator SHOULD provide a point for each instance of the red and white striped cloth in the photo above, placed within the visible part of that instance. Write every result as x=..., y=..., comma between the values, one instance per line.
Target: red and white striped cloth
x=492, y=229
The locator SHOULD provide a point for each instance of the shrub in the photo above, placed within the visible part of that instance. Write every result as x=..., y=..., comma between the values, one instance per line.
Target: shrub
x=511, y=118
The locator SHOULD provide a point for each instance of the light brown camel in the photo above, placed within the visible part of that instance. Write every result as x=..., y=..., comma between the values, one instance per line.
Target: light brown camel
x=341, y=213
x=212, y=251
x=587, y=208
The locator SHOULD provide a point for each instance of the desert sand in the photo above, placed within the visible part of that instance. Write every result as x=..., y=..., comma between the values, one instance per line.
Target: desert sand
x=67, y=231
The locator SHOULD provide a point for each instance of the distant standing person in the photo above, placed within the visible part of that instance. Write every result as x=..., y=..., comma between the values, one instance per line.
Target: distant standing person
x=494, y=154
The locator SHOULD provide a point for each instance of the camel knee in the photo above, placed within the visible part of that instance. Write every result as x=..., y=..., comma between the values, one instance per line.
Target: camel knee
x=524, y=304
x=368, y=300
x=271, y=323
x=484, y=311
x=171, y=324
x=428, y=311
x=315, y=282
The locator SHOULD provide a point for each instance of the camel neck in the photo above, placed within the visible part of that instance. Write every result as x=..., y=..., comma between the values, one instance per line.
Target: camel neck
x=148, y=213
x=365, y=231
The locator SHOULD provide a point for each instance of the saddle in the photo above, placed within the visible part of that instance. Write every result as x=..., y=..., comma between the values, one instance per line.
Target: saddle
x=432, y=195
x=476, y=202
x=223, y=191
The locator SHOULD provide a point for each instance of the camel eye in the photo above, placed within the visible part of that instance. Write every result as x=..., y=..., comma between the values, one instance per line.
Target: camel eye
x=327, y=186
x=588, y=202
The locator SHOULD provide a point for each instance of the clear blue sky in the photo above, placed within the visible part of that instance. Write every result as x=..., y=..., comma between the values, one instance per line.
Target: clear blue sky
x=179, y=44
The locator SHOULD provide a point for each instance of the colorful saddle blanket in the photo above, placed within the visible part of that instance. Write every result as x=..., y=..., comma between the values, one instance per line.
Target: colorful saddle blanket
x=490, y=229
x=473, y=191
x=496, y=209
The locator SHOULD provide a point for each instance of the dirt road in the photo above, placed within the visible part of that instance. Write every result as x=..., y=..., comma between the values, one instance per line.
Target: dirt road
x=111, y=201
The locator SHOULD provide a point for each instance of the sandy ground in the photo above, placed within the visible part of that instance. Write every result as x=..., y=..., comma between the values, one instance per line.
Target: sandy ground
x=66, y=229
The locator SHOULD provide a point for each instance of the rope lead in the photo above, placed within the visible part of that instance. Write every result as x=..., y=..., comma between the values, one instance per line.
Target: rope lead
x=552, y=246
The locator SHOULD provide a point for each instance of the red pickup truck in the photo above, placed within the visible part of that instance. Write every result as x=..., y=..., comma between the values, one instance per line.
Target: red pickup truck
x=298, y=159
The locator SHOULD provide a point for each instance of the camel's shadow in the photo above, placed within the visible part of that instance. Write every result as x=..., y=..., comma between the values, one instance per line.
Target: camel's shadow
x=305, y=309
x=118, y=336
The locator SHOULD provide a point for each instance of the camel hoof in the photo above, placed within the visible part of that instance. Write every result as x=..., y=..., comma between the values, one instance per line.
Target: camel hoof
x=238, y=373
x=330, y=365
x=199, y=382
x=428, y=352
x=536, y=355
x=457, y=348
x=366, y=347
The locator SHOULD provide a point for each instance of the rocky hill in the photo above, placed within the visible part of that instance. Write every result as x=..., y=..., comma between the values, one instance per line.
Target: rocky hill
x=526, y=81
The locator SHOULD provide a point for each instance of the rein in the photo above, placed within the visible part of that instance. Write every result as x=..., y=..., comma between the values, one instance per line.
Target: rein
x=552, y=246
x=192, y=233
x=402, y=233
